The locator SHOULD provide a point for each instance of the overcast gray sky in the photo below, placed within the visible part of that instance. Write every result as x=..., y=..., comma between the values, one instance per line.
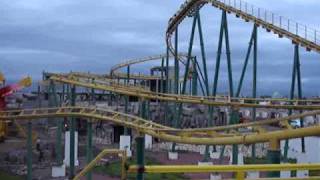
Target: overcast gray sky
x=83, y=35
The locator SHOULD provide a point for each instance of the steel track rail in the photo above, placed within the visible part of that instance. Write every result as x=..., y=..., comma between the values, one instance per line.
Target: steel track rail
x=206, y=137
x=126, y=90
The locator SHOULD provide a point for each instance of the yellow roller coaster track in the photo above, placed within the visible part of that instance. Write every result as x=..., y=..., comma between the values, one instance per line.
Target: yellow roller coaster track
x=146, y=94
x=106, y=80
x=239, y=8
x=238, y=134
x=115, y=74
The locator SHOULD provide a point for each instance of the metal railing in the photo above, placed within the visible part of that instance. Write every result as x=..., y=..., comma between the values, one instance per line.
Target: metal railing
x=282, y=22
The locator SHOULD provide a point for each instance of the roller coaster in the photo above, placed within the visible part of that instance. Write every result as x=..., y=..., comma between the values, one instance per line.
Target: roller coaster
x=234, y=133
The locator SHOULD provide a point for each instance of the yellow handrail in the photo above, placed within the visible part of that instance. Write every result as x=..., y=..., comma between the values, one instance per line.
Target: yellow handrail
x=90, y=166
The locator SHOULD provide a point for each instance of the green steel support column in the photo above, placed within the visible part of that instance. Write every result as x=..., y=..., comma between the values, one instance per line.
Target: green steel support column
x=176, y=64
x=206, y=81
x=39, y=97
x=167, y=89
x=29, y=149
x=299, y=91
x=126, y=131
x=63, y=94
x=228, y=54
x=176, y=82
x=72, y=134
x=217, y=69
x=89, y=135
x=140, y=156
x=234, y=114
x=161, y=82
x=186, y=73
x=140, y=141
x=234, y=119
x=292, y=90
x=274, y=157
x=244, y=69
x=53, y=102
x=89, y=147
x=203, y=53
x=194, y=79
x=254, y=83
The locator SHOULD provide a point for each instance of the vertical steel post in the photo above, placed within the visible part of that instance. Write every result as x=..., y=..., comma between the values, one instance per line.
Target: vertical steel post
x=166, y=116
x=176, y=63
x=194, y=78
x=140, y=157
x=140, y=141
x=53, y=102
x=244, y=69
x=29, y=151
x=206, y=81
x=89, y=147
x=273, y=156
x=228, y=54
x=254, y=82
x=299, y=91
x=295, y=73
x=234, y=115
x=39, y=96
x=203, y=53
x=72, y=134
x=176, y=82
x=126, y=131
x=217, y=68
x=89, y=135
x=161, y=82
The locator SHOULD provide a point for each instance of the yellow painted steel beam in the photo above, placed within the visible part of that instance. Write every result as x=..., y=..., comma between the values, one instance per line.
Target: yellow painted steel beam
x=222, y=168
x=121, y=153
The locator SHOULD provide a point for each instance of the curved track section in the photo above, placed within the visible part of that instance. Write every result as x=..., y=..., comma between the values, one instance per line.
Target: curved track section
x=114, y=69
x=190, y=6
x=240, y=134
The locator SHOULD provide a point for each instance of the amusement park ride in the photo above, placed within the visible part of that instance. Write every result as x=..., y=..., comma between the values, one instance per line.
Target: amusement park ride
x=5, y=92
x=136, y=85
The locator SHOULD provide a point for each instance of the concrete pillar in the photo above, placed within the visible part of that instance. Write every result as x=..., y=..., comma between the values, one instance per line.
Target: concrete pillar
x=66, y=160
x=173, y=155
x=125, y=144
x=148, y=142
